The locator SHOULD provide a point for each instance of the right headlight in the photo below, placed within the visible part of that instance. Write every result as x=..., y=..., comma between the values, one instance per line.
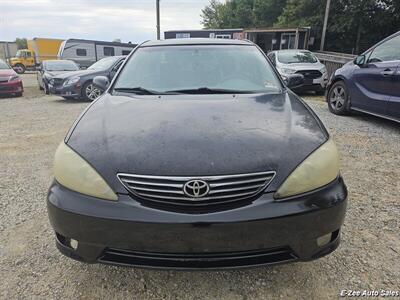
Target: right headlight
x=73, y=172
x=72, y=80
x=317, y=170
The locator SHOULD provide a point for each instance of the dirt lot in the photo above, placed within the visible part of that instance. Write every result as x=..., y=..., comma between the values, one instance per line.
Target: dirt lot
x=31, y=127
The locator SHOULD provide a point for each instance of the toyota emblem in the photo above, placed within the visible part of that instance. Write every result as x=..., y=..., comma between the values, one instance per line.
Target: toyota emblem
x=196, y=188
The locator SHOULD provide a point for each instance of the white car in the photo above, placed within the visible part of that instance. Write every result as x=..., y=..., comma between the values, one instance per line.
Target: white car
x=302, y=62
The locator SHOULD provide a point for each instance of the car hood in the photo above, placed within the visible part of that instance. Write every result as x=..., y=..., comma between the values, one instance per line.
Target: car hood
x=79, y=73
x=303, y=66
x=7, y=72
x=196, y=135
x=56, y=73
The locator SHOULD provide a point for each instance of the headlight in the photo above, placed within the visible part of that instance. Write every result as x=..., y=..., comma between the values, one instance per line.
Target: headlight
x=317, y=170
x=73, y=172
x=14, y=78
x=323, y=70
x=72, y=80
x=286, y=71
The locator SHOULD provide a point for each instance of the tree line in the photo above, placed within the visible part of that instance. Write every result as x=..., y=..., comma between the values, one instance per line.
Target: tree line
x=353, y=25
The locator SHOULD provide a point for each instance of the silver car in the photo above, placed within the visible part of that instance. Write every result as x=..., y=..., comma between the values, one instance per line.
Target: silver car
x=302, y=62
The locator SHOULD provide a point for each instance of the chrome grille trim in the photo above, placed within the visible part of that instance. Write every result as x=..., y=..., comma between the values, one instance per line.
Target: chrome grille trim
x=169, y=189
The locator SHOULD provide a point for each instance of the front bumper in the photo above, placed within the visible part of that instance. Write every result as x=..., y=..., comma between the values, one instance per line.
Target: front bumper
x=12, y=87
x=65, y=91
x=263, y=233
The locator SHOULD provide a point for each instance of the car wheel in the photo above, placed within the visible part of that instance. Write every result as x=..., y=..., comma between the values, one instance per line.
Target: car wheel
x=338, y=99
x=20, y=68
x=90, y=92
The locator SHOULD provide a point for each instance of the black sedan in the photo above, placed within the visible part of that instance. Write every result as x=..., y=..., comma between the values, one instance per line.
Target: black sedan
x=78, y=84
x=50, y=68
x=197, y=156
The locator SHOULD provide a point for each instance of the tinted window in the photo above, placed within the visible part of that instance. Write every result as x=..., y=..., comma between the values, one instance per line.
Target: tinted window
x=169, y=68
x=126, y=52
x=387, y=51
x=61, y=65
x=81, y=52
x=296, y=57
x=108, y=51
x=104, y=64
x=3, y=65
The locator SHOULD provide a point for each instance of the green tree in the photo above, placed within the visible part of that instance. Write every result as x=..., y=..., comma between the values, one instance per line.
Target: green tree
x=22, y=43
x=266, y=12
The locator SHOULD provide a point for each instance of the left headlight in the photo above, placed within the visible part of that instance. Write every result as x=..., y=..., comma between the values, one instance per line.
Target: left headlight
x=14, y=78
x=317, y=170
x=73, y=172
x=72, y=80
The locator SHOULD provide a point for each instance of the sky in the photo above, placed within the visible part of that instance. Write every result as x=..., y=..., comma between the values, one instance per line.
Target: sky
x=128, y=20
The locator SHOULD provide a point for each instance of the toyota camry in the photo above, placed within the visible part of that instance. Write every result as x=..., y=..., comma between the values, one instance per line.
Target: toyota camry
x=197, y=156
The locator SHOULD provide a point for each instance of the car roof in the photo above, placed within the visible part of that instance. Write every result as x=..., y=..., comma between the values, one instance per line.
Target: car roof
x=196, y=41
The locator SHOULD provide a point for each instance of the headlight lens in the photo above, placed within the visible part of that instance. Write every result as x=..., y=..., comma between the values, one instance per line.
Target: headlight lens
x=72, y=80
x=14, y=78
x=317, y=170
x=323, y=70
x=286, y=71
x=73, y=172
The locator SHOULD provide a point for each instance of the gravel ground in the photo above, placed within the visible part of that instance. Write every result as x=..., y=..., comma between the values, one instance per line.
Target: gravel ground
x=31, y=127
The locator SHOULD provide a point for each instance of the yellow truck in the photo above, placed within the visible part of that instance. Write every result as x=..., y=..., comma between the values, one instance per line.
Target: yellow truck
x=39, y=49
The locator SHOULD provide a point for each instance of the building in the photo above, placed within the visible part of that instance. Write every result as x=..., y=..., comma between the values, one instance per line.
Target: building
x=267, y=39
x=8, y=49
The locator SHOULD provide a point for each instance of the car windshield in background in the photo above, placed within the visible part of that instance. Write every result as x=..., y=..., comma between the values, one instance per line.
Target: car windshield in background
x=61, y=66
x=296, y=57
x=104, y=64
x=3, y=65
x=205, y=69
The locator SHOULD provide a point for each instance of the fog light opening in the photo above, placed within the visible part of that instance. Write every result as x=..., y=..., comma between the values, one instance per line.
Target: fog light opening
x=74, y=244
x=323, y=240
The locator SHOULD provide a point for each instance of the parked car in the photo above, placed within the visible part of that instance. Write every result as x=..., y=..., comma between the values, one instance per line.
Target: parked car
x=369, y=84
x=78, y=84
x=185, y=164
x=301, y=62
x=87, y=52
x=10, y=82
x=50, y=68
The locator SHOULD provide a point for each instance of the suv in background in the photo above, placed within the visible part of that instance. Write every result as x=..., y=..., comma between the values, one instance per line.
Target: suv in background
x=370, y=83
x=303, y=62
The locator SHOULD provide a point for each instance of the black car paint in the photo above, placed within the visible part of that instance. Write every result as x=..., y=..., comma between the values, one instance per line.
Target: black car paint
x=196, y=135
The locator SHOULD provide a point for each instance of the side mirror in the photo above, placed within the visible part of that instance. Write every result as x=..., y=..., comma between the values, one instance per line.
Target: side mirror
x=101, y=82
x=294, y=80
x=360, y=60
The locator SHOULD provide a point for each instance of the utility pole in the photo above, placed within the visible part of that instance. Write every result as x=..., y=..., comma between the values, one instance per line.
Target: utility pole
x=158, y=18
x=328, y=4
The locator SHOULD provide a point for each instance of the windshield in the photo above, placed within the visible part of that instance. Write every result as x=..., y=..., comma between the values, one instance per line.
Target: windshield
x=60, y=66
x=296, y=57
x=3, y=65
x=20, y=53
x=207, y=67
x=104, y=64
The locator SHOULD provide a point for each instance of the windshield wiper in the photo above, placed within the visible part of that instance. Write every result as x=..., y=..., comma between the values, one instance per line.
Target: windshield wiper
x=207, y=90
x=140, y=91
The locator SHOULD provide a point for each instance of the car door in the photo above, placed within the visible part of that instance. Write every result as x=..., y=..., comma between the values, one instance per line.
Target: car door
x=374, y=82
x=393, y=108
x=40, y=74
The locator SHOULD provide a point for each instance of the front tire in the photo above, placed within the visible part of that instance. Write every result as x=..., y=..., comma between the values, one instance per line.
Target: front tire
x=90, y=92
x=338, y=99
x=20, y=68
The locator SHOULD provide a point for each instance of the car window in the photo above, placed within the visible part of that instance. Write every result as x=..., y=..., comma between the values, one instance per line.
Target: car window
x=61, y=65
x=388, y=51
x=3, y=65
x=104, y=64
x=295, y=57
x=169, y=68
x=126, y=52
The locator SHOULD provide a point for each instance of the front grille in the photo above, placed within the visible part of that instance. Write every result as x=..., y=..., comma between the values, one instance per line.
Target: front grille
x=310, y=74
x=199, y=260
x=170, y=189
x=56, y=81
